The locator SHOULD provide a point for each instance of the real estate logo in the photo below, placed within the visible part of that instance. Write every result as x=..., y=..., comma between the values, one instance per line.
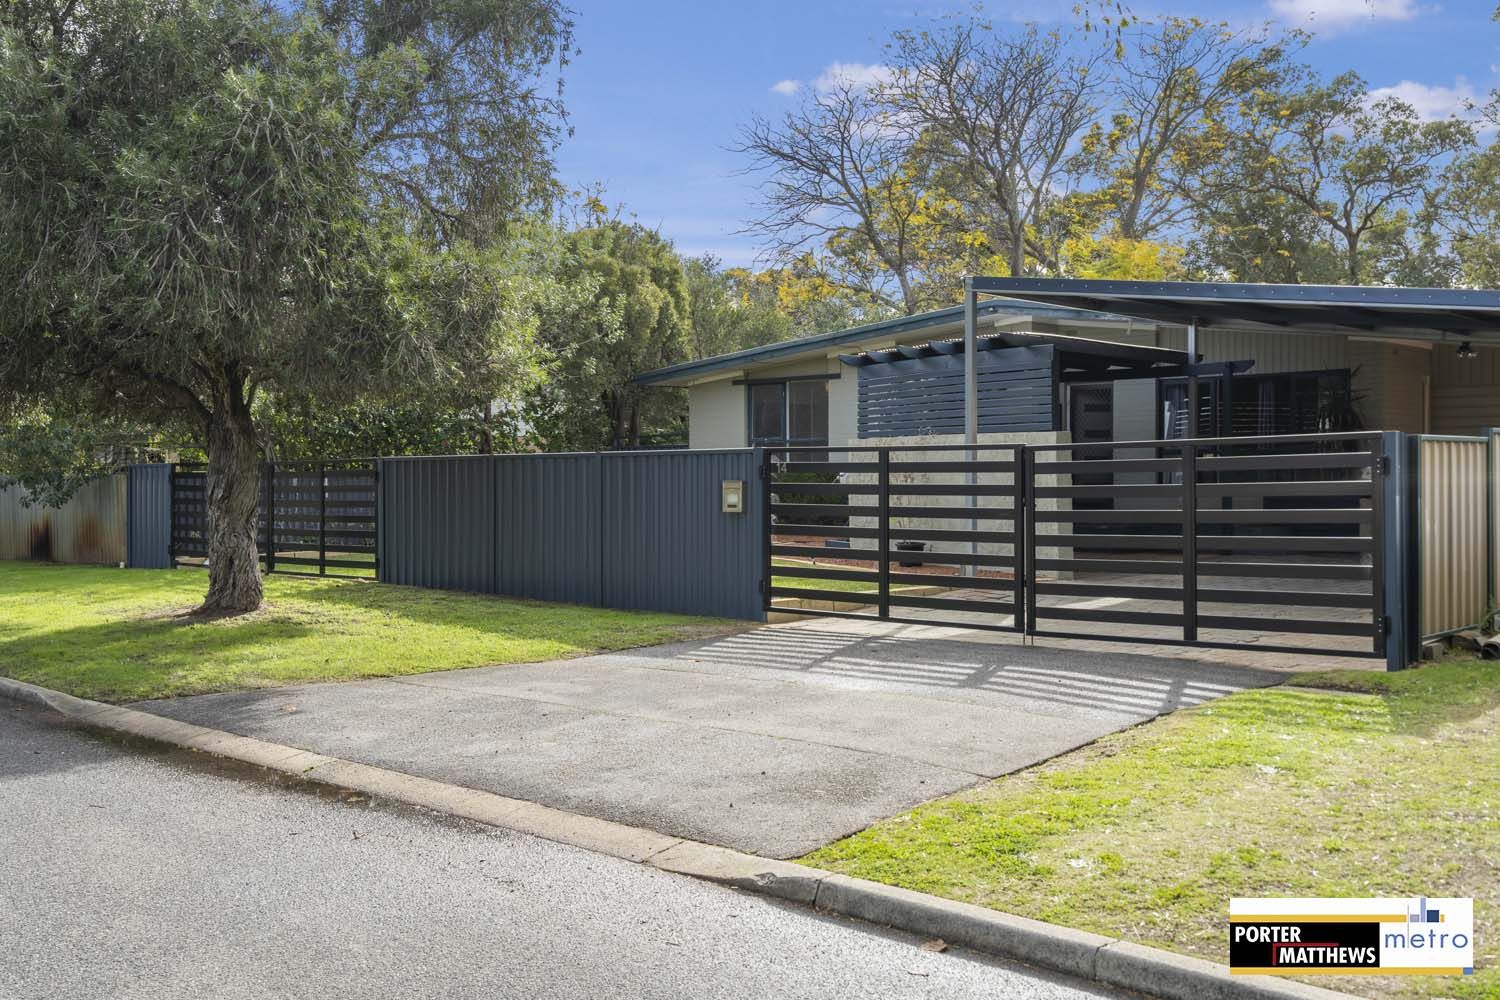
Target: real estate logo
x=1414, y=935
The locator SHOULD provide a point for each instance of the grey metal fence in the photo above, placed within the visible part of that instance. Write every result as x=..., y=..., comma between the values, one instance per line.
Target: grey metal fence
x=148, y=501
x=639, y=530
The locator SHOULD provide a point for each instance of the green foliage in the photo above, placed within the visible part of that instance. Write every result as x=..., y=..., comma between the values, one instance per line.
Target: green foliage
x=49, y=457
x=215, y=200
x=637, y=318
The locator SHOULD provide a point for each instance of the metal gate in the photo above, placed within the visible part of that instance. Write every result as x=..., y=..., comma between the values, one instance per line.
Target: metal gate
x=315, y=518
x=924, y=534
x=1207, y=542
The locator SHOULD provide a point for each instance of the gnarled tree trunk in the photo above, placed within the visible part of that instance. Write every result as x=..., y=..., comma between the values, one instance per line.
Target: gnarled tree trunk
x=234, y=583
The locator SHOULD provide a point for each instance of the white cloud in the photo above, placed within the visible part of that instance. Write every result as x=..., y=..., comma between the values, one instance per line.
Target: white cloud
x=1335, y=14
x=786, y=88
x=856, y=75
x=1432, y=101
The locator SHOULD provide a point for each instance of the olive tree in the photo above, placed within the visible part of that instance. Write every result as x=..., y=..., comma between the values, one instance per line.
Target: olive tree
x=205, y=201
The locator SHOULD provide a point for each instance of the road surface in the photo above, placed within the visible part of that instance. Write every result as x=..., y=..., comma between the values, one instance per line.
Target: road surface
x=127, y=871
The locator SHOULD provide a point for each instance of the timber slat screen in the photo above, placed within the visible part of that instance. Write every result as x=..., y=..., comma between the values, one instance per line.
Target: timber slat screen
x=1270, y=541
x=922, y=534
x=323, y=517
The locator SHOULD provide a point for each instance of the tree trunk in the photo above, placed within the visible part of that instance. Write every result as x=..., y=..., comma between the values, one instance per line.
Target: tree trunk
x=234, y=583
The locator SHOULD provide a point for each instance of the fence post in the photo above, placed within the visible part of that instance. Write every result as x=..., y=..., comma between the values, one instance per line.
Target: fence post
x=1190, y=542
x=269, y=471
x=1029, y=530
x=883, y=539
x=1021, y=568
x=1399, y=563
x=323, y=519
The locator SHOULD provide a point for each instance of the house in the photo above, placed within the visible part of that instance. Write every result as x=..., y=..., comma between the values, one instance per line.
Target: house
x=1051, y=370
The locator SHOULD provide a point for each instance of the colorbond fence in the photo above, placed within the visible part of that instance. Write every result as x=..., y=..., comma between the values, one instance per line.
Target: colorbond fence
x=89, y=528
x=639, y=530
x=1455, y=497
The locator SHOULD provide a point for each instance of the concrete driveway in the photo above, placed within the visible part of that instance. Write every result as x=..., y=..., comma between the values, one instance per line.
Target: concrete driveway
x=773, y=741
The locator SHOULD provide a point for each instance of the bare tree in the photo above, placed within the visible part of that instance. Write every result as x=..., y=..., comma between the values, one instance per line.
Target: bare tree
x=835, y=167
x=1010, y=111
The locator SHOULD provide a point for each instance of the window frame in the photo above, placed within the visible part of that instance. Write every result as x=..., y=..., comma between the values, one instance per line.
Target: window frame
x=785, y=440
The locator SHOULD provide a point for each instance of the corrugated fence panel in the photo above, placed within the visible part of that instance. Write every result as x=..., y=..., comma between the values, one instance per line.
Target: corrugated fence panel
x=547, y=527
x=667, y=544
x=1452, y=511
x=89, y=528
x=148, y=539
x=437, y=522
x=1494, y=471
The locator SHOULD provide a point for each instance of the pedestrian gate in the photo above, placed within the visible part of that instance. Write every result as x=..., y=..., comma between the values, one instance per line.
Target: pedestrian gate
x=1274, y=541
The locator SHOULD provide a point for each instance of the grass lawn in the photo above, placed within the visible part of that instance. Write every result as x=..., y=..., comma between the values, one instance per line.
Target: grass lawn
x=122, y=635
x=1387, y=785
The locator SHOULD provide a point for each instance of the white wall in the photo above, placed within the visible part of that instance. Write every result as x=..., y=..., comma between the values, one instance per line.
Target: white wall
x=716, y=415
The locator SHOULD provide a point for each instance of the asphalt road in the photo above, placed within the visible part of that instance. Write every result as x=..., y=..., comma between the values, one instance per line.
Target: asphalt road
x=131, y=872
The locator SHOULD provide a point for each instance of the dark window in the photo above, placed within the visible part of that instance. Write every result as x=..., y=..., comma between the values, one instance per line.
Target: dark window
x=768, y=413
x=791, y=412
x=1284, y=403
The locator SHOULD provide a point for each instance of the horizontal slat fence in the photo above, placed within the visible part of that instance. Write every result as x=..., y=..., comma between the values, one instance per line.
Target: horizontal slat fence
x=314, y=517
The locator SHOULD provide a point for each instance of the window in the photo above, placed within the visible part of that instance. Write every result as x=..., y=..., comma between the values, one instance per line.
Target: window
x=1284, y=403
x=794, y=411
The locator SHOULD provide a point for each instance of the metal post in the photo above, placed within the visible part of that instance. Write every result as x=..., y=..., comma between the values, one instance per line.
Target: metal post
x=269, y=471
x=971, y=401
x=1028, y=531
x=1021, y=584
x=1192, y=386
x=1190, y=543
x=322, y=518
x=883, y=542
x=1396, y=583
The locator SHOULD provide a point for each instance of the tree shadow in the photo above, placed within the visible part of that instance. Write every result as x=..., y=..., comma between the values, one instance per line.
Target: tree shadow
x=135, y=658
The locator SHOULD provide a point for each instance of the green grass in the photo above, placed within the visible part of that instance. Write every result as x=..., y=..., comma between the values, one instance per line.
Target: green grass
x=1389, y=784
x=123, y=635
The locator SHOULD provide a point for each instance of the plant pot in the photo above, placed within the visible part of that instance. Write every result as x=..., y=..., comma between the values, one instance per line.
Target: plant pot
x=910, y=547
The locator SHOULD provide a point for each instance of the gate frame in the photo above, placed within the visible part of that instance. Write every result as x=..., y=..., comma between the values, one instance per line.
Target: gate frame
x=1391, y=518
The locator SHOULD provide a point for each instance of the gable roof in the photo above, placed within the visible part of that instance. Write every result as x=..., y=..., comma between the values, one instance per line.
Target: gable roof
x=682, y=374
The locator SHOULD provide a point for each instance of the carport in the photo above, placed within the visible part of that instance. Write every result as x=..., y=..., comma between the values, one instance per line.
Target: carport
x=1325, y=542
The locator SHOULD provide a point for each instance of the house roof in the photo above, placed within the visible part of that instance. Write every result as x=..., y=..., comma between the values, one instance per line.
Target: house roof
x=892, y=329
x=1361, y=310
x=1079, y=357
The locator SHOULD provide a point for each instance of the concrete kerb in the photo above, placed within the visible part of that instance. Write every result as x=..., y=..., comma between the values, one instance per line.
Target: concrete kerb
x=1091, y=957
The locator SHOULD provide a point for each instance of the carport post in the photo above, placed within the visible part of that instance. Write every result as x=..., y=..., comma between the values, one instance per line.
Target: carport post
x=1192, y=386
x=971, y=397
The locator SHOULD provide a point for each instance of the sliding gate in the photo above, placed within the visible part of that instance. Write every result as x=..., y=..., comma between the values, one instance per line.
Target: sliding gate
x=913, y=534
x=1273, y=542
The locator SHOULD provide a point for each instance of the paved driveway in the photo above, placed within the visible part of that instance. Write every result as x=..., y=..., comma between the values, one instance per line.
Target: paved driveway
x=772, y=741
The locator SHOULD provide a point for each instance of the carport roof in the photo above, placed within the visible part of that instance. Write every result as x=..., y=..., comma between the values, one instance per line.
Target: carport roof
x=1360, y=310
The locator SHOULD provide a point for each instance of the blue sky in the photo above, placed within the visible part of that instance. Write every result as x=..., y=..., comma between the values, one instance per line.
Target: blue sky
x=661, y=86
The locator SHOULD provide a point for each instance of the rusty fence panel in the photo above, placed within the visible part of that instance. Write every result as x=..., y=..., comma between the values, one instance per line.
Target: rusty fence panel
x=89, y=528
x=1453, y=532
